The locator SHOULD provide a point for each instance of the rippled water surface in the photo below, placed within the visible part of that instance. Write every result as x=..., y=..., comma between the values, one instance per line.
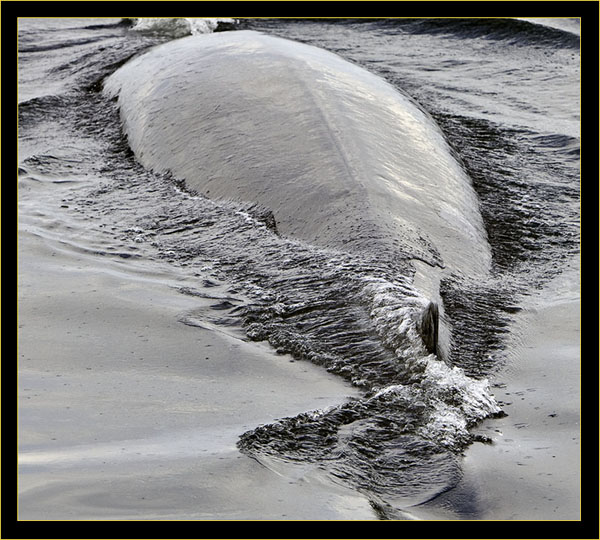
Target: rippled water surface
x=505, y=94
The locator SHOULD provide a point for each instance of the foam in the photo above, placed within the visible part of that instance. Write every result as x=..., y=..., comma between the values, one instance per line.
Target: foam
x=456, y=401
x=178, y=26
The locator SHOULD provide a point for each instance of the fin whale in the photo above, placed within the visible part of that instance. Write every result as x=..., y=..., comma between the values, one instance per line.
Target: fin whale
x=341, y=157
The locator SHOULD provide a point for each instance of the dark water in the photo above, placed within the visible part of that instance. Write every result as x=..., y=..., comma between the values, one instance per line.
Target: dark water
x=506, y=95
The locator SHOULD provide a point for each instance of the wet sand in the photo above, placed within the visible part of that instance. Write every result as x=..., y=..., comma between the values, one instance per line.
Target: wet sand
x=126, y=413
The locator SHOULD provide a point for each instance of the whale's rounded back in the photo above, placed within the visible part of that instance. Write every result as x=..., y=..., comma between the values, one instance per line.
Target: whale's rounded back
x=341, y=157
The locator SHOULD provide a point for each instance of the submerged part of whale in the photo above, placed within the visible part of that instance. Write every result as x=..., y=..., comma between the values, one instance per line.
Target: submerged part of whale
x=341, y=157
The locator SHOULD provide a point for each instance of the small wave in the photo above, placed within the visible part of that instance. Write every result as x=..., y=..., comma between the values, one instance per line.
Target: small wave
x=401, y=438
x=48, y=108
x=400, y=443
x=513, y=31
x=566, y=145
x=529, y=198
x=553, y=32
x=175, y=27
x=44, y=47
x=570, y=25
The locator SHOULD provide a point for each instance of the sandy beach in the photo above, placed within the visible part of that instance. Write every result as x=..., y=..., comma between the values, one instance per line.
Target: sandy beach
x=126, y=413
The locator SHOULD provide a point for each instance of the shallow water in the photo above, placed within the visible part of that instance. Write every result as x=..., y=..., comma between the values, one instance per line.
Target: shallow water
x=512, y=127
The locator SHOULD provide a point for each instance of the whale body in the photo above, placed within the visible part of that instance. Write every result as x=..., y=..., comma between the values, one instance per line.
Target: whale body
x=342, y=158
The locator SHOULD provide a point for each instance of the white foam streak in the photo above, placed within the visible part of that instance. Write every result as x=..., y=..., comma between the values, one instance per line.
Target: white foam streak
x=395, y=309
x=456, y=401
x=178, y=26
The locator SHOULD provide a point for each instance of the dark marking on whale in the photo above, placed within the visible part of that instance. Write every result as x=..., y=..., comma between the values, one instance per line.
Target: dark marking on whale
x=428, y=327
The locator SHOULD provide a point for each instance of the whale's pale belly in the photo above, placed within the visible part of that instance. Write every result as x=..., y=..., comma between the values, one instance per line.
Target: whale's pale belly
x=342, y=158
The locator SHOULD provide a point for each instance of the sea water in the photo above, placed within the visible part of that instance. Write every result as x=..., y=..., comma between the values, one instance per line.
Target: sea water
x=505, y=94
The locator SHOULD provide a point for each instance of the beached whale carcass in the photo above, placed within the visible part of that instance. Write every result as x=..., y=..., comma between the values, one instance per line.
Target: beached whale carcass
x=341, y=157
